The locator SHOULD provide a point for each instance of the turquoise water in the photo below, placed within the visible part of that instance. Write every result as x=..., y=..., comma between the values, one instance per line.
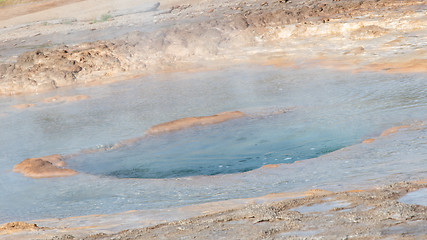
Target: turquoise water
x=235, y=146
x=328, y=111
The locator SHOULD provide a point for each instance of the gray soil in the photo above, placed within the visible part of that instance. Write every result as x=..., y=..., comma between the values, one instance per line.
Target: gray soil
x=372, y=214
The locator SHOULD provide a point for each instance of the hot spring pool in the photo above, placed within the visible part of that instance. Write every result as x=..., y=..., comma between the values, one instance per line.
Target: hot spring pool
x=328, y=110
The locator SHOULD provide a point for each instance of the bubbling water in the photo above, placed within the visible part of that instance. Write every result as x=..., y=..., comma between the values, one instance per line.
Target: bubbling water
x=239, y=145
x=329, y=110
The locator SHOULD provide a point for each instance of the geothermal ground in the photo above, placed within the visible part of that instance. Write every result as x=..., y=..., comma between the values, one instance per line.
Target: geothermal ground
x=355, y=35
x=58, y=57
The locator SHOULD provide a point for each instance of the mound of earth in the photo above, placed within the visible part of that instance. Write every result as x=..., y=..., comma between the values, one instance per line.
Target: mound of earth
x=44, y=167
x=17, y=226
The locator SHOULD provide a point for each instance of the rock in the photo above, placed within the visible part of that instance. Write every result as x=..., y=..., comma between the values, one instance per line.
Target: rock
x=17, y=226
x=392, y=130
x=44, y=167
x=385, y=133
x=270, y=166
x=181, y=47
x=193, y=121
x=368, y=140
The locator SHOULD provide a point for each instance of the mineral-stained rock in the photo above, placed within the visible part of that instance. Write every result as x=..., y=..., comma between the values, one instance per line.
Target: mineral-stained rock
x=368, y=140
x=270, y=166
x=183, y=46
x=17, y=226
x=392, y=130
x=44, y=167
x=193, y=121
x=385, y=133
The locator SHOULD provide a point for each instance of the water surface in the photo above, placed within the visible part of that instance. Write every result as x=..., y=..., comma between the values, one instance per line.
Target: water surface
x=330, y=110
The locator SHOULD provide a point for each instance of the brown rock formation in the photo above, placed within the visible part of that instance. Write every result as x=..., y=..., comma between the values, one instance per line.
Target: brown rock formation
x=17, y=226
x=193, y=121
x=44, y=167
x=217, y=37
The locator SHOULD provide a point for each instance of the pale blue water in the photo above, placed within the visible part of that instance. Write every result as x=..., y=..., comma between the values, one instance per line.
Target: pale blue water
x=330, y=110
x=418, y=197
x=321, y=207
x=236, y=146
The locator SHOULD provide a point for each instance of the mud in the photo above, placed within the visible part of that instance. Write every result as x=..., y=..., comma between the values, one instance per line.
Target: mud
x=44, y=167
x=234, y=32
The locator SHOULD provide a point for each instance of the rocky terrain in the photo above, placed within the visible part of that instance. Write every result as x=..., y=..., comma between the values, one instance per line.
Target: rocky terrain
x=315, y=214
x=357, y=214
x=338, y=34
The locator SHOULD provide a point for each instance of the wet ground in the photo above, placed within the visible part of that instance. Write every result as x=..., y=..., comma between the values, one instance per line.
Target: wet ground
x=374, y=214
x=294, y=166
